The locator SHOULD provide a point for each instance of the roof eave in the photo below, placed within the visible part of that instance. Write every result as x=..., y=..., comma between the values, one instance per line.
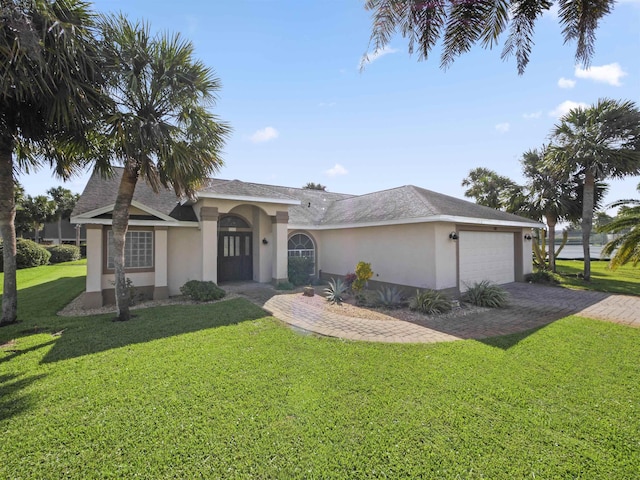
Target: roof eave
x=432, y=219
x=244, y=198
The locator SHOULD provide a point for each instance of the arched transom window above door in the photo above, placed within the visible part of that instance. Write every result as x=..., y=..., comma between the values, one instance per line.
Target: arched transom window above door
x=233, y=223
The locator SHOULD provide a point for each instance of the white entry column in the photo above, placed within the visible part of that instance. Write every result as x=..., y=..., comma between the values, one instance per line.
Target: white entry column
x=93, y=292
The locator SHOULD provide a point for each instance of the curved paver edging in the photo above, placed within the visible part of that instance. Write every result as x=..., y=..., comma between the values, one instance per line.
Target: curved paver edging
x=531, y=306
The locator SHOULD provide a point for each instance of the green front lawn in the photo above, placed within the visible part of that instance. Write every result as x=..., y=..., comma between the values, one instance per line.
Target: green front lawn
x=624, y=280
x=224, y=391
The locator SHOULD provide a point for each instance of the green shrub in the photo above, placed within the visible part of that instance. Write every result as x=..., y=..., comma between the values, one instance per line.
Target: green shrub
x=363, y=274
x=430, y=302
x=28, y=254
x=486, y=294
x=201, y=291
x=298, y=269
x=334, y=293
x=390, y=297
x=63, y=253
x=543, y=276
x=285, y=286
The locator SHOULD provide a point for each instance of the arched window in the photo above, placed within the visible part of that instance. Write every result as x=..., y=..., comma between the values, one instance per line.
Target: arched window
x=300, y=245
x=233, y=221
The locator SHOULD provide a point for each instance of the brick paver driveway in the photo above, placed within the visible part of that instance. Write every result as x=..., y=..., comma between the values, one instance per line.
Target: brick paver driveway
x=531, y=306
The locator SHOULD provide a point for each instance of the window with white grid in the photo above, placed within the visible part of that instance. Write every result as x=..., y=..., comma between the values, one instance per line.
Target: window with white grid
x=138, y=249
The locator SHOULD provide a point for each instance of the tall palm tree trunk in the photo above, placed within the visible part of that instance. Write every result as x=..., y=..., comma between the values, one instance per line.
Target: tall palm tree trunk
x=587, y=221
x=120, y=227
x=8, y=231
x=551, y=223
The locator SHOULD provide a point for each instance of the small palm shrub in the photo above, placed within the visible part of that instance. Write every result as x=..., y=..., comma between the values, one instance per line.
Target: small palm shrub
x=63, y=253
x=202, y=291
x=298, y=269
x=543, y=276
x=430, y=302
x=390, y=297
x=486, y=294
x=28, y=254
x=334, y=293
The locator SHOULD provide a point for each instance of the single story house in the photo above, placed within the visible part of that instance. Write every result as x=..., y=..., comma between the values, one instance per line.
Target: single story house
x=242, y=231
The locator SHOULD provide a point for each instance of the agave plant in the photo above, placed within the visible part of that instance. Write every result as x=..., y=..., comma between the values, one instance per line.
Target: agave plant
x=389, y=296
x=335, y=291
x=486, y=294
x=430, y=302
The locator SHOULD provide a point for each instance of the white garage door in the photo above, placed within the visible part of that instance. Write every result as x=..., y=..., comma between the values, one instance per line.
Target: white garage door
x=486, y=256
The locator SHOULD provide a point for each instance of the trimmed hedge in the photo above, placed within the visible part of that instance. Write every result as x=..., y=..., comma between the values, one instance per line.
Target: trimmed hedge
x=64, y=253
x=28, y=254
x=202, y=291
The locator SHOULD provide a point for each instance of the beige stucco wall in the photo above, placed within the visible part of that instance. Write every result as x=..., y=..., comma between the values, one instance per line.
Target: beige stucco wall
x=527, y=252
x=400, y=254
x=226, y=206
x=445, y=269
x=185, y=257
x=140, y=279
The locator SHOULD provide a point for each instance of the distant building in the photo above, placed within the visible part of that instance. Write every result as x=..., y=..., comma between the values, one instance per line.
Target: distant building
x=49, y=234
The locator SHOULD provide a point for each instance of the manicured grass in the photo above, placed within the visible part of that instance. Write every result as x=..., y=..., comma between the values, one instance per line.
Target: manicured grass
x=624, y=280
x=223, y=391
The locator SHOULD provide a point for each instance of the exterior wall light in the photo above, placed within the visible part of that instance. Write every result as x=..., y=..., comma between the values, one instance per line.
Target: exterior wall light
x=453, y=236
x=265, y=241
x=527, y=236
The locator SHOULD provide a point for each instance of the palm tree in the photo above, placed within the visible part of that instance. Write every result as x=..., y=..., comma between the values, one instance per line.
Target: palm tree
x=627, y=225
x=161, y=129
x=462, y=24
x=553, y=196
x=596, y=143
x=48, y=92
x=488, y=188
x=38, y=210
x=64, y=200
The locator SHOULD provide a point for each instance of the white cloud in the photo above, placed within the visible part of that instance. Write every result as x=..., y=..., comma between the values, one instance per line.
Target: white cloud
x=564, y=108
x=566, y=83
x=611, y=74
x=529, y=116
x=371, y=57
x=264, y=135
x=337, y=169
x=503, y=127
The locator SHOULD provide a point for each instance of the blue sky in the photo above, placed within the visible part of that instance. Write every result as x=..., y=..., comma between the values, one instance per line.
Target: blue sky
x=301, y=109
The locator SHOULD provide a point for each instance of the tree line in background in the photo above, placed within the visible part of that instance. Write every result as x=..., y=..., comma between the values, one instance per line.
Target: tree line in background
x=32, y=213
x=566, y=180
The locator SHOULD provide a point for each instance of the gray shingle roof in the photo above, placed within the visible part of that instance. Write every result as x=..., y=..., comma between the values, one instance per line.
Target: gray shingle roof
x=316, y=207
x=101, y=192
x=408, y=202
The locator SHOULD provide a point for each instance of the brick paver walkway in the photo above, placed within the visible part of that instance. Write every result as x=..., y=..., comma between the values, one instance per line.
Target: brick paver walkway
x=531, y=306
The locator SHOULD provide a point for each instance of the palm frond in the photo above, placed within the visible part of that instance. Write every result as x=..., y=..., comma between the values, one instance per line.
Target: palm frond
x=579, y=20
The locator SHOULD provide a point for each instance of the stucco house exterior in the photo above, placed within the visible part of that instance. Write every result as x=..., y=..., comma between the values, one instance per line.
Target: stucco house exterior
x=234, y=230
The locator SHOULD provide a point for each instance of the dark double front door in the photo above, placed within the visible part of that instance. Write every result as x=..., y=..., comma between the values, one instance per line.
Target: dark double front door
x=235, y=259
